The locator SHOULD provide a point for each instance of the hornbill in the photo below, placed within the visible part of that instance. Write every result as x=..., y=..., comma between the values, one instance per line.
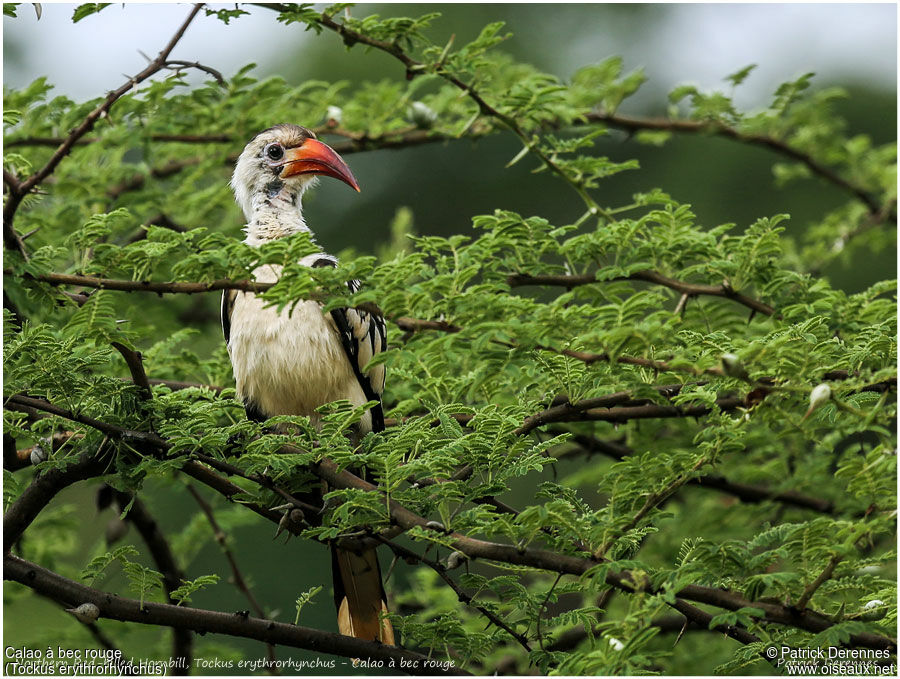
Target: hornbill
x=293, y=361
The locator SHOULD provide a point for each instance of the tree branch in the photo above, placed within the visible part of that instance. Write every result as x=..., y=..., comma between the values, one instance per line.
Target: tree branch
x=746, y=492
x=44, y=488
x=634, y=124
x=149, y=286
x=178, y=64
x=85, y=141
x=135, y=363
x=404, y=323
x=702, y=619
x=12, y=182
x=15, y=197
x=535, y=558
x=589, y=445
x=358, y=142
x=355, y=144
x=562, y=563
x=811, y=588
x=355, y=141
x=649, y=276
x=138, y=180
x=115, y=607
x=587, y=410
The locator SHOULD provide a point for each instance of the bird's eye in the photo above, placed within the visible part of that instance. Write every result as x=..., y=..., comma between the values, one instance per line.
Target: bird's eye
x=274, y=152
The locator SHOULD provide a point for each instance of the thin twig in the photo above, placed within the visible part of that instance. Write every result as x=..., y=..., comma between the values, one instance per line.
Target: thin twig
x=178, y=64
x=633, y=124
x=825, y=575
x=590, y=445
x=236, y=576
x=413, y=67
x=702, y=619
x=135, y=363
x=463, y=596
x=541, y=610
x=872, y=220
x=690, y=289
x=653, y=500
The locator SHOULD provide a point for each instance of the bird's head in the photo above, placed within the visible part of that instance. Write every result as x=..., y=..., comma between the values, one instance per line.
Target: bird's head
x=283, y=161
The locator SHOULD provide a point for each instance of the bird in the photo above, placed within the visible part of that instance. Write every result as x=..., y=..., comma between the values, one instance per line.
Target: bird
x=292, y=361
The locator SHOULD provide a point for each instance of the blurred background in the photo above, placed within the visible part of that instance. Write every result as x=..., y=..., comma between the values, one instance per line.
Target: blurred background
x=445, y=185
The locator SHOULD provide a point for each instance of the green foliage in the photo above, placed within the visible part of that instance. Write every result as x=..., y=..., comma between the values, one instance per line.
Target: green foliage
x=87, y=9
x=650, y=300
x=305, y=598
x=95, y=569
x=226, y=15
x=141, y=579
x=183, y=593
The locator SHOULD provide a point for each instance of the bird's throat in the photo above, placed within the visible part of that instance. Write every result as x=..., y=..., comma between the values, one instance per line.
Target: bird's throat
x=274, y=188
x=276, y=214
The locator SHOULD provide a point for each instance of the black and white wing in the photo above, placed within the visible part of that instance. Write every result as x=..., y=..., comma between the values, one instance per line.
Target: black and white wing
x=228, y=297
x=363, y=335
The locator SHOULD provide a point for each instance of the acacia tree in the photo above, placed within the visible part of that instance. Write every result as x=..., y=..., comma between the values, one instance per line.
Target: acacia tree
x=720, y=417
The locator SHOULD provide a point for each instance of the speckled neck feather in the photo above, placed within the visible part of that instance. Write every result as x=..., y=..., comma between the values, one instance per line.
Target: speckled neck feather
x=276, y=213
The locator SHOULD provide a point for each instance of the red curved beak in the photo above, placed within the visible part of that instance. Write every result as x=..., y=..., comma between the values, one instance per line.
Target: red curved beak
x=314, y=157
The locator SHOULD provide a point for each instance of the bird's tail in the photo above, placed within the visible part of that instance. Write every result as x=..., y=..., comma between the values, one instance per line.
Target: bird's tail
x=359, y=596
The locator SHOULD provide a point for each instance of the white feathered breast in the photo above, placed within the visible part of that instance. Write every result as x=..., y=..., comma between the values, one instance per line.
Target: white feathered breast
x=290, y=362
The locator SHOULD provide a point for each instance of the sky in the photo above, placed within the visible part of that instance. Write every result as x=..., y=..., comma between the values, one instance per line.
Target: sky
x=701, y=42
